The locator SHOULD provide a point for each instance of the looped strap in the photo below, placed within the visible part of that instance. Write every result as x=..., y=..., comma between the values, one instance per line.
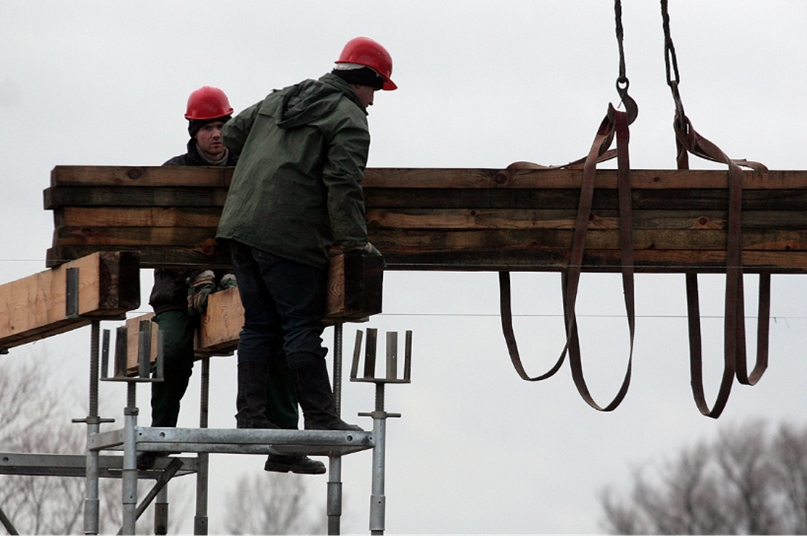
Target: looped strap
x=734, y=360
x=614, y=123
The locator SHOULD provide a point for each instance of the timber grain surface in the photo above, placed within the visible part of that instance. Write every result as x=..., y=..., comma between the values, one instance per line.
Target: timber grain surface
x=35, y=307
x=452, y=219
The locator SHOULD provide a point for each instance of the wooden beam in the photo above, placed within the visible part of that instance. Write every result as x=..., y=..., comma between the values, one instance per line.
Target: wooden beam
x=100, y=196
x=141, y=176
x=355, y=284
x=132, y=341
x=441, y=178
x=448, y=219
x=221, y=324
x=34, y=307
x=354, y=293
x=205, y=217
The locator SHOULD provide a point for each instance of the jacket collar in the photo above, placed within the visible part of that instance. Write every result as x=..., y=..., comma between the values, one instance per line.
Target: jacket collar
x=344, y=87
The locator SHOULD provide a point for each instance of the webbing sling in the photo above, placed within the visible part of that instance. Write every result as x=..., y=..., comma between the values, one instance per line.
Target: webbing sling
x=734, y=360
x=614, y=123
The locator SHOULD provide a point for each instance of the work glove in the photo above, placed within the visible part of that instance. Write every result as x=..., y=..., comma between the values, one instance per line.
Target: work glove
x=199, y=288
x=227, y=282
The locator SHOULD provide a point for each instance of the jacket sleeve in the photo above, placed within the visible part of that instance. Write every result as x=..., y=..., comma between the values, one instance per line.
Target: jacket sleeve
x=235, y=132
x=343, y=172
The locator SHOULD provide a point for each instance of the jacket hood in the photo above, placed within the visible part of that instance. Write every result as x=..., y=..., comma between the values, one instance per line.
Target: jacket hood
x=311, y=100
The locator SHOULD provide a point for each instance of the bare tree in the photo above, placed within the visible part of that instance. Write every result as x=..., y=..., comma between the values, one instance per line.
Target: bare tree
x=35, y=419
x=744, y=482
x=273, y=504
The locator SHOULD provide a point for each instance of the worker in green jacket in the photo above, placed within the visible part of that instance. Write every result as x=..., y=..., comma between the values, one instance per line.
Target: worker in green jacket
x=295, y=193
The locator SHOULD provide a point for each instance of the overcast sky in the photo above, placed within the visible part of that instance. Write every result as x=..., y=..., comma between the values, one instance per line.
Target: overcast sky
x=481, y=84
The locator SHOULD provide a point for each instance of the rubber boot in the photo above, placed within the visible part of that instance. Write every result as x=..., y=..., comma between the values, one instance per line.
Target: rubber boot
x=251, y=399
x=316, y=398
x=251, y=405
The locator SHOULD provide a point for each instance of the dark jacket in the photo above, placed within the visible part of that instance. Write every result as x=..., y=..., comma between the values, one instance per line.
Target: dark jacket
x=297, y=187
x=170, y=291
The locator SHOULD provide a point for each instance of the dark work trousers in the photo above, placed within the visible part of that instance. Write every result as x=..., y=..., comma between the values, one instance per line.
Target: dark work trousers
x=178, y=329
x=284, y=302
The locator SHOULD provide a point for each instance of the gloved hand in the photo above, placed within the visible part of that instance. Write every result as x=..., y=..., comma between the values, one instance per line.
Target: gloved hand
x=227, y=282
x=200, y=287
x=367, y=248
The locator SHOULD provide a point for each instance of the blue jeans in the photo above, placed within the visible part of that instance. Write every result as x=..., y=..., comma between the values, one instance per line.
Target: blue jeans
x=284, y=302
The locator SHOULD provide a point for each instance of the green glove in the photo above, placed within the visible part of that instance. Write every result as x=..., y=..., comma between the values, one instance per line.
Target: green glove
x=199, y=288
x=227, y=282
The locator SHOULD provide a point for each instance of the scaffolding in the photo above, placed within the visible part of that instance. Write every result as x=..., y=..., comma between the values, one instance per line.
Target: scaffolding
x=203, y=440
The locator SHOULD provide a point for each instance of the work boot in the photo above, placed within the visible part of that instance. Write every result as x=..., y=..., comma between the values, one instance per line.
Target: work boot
x=316, y=398
x=251, y=399
x=293, y=463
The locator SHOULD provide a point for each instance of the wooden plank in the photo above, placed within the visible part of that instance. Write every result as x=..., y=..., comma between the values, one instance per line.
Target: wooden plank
x=209, y=255
x=467, y=178
x=354, y=293
x=132, y=339
x=645, y=261
x=393, y=241
x=141, y=176
x=564, y=219
x=436, y=251
x=355, y=284
x=444, y=198
x=134, y=235
x=34, y=307
x=444, y=178
x=204, y=217
x=89, y=196
x=656, y=199
x=479, y=216
x=221, y=324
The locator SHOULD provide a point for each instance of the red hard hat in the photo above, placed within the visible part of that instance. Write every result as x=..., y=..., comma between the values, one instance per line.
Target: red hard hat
x=365, y=51
x=207, y=103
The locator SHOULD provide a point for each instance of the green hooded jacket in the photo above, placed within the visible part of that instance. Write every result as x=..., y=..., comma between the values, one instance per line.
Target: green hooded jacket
x=296, y=189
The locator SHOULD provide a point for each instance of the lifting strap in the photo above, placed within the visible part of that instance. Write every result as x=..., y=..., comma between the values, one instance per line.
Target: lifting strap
x=615, y=122
x=734, y=360
x=687, y=141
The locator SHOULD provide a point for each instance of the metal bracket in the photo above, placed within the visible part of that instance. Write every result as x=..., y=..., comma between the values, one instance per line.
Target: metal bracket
x=143, y=356
x=71, y=293
x=391, y=362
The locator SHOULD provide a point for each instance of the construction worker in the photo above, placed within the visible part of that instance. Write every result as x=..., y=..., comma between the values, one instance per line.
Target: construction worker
x=295, y=193
x=179, y=297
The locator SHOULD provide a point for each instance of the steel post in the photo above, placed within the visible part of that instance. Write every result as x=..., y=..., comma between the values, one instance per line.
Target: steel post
x=129, y=473
x=91, y=500
x=377, y=499
x=334, y=502
x=161, y=512
x=200, y=521
x=334, y=507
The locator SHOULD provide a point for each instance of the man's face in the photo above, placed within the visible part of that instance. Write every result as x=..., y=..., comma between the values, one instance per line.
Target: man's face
x=365, y=93
x=208, y=140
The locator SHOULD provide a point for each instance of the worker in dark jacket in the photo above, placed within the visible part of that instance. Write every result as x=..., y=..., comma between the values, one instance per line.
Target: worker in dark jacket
x=179, y=297
x=295, y=193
